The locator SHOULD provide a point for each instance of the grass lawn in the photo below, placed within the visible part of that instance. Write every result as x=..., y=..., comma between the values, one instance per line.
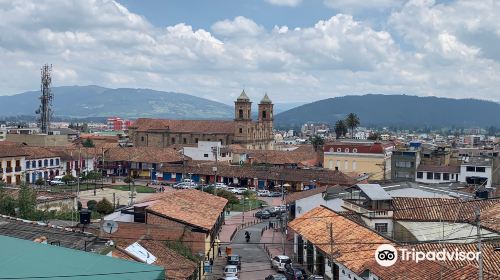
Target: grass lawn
x=250, y=204
x=72, y=188
x=138, y=189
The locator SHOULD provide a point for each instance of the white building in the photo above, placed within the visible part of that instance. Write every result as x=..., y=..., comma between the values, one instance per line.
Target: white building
x=208, y=150
x=476, y=170
x=3, y=132
x=434, y=174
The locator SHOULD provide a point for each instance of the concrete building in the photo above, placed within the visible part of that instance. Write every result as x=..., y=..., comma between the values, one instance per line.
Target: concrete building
x=242, y=130
x=432, y=174
x=206, y=150
x=371, y=158
x=12, y=162
x=404, y=163
x=3, y=132
x=477, y=171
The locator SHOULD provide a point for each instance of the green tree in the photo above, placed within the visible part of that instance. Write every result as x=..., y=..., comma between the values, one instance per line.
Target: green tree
x=40, y=182
x=352, y=121
x=374, y=136
x=26, y=202
x=104, y=207
x=340, y=129
x=317, y=142
x=88, y=143
x=91, y=204
x=7, y=203
x=68, y=178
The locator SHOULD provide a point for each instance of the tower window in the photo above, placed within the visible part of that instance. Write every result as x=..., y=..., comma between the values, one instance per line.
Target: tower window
x=264, y=114
x=185, y=140
x=241, y=130
x=241, y=114
x=173, y=140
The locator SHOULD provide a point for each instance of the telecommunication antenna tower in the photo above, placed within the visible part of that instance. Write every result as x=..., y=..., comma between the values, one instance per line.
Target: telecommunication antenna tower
x=45, y=110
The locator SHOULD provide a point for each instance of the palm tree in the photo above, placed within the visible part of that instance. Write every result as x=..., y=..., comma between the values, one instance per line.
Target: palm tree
x=352, y=121
x=340, y=129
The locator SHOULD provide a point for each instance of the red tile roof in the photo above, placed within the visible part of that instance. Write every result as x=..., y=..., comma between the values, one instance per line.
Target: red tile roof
x=143, y=154
x=186, y=126
x=11, y=149
x=190, y=206
x=290, y=198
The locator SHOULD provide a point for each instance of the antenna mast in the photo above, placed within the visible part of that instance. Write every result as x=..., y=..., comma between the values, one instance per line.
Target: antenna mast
x=45, y=110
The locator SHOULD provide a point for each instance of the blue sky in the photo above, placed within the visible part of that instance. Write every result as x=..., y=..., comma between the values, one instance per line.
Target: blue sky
x=296, y=50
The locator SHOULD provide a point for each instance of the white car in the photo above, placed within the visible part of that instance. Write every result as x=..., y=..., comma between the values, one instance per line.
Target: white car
x=185, y=185
x=231, y=271
x=56, y=183
x=240, y=190
x=220, y=186
x=263, y=193
x=279, y=262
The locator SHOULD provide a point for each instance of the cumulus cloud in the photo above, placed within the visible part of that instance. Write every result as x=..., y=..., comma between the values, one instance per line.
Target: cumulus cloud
x=356, y=6
x=445, y=52
x=289, y=3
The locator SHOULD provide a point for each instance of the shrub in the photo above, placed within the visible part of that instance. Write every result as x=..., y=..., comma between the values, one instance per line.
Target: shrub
x=231, y=197
x=40, y=182
x=104, y=207
x=91, y=204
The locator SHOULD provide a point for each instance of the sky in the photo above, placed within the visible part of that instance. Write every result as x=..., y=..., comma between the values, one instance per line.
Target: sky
x=295, y=50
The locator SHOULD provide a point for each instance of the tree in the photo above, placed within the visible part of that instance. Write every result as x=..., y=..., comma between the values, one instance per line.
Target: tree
x=68, y=178
x=352, y=121
x=26, y=202
x=317, y=142
x=340, y=129
x=91, y=204
x=104, y=207
x=374, y=136
x=88, y=143
x=7, y=203
x=40, y=181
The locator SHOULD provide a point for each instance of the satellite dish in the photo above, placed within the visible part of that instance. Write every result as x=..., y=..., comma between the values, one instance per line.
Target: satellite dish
x=109, y=227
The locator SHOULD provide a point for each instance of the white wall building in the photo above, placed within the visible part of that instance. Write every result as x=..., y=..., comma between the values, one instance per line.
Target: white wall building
x=476, y=170
x=206, y=151
x=435, y=174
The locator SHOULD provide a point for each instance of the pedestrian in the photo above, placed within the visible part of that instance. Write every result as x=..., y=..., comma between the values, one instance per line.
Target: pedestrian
x=219, y=252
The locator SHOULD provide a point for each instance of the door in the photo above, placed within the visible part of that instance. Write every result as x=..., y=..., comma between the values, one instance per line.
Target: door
x=320, y=263
x=310, y=257
x=18, y=179
x=300, y=250
x=8, y=180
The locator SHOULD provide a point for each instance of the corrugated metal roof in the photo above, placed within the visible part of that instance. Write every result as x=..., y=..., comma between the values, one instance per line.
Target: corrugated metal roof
x=29, y=260
x=374, y=191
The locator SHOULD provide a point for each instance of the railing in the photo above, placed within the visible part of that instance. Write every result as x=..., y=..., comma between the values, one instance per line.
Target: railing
x=8, y=169
x=17, y=168
x=367, y=212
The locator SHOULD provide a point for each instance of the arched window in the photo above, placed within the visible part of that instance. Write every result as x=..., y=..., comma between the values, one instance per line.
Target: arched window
x=264, y=114
x=346, y=150
x=240, y=114
x=354, y=150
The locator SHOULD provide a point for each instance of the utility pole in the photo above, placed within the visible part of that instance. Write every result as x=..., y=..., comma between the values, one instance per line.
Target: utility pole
x=331, y=249
x=480, y=260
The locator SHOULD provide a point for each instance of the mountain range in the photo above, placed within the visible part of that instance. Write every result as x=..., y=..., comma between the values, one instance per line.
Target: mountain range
x=395, y=110
x=73, y=102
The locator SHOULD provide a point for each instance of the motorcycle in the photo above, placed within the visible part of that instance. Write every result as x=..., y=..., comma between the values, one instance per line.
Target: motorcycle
x=247, y=236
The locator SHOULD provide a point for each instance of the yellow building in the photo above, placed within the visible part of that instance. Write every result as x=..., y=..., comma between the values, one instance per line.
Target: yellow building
x=370, y=158
x=12, y=160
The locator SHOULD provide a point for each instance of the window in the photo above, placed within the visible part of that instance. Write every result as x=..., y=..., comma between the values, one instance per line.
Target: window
x=18, y=163
x=33, y=164
x=353, y=165
x=51, y=162
x=142, y=138
x=264, y=114
x=470, y=169
x=57, y=161
x=205, y=155
x=196, y=139
x=381, y=227
x=446, y=176
x=173, y=140
x=404, y=164
x=240, y=114
x=354, y=150
x=480, y=169
x=437, y=176
x=39, y=163
x=346, y=150
x=45, y=162
x=184, y=140
x=339, y=150
x=330, y=164
x=331, y=150
x=338, y=164
x=221, y=142
x=429, y=175
x=346, y=165
x=420, y=175
x=452, y=176
x=28, y=164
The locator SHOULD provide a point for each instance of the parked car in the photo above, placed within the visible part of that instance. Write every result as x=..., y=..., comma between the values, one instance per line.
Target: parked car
x=231, y=270
x=273, y=212
x=315, y=277
x=220, y=186
x=185, y=185
x=240, y=190
x=231, y=189
x=263, y=193
x=276, y=277
x=294, y=273
x=279, y=262
x=275, y=194
x=262, y=214
x=234, y=260
x=57, y=181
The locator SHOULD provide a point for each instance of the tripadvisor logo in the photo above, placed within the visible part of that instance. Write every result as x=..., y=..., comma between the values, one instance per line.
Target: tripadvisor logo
x=387, y=255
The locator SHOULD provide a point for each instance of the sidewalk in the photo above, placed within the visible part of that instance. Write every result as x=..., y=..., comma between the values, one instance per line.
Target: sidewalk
x=273, y=243
x=233, y=222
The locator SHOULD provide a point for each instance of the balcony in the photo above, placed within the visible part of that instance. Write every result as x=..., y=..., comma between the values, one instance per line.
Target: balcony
x=8, y=169
x=18, y=169
x=368, y=213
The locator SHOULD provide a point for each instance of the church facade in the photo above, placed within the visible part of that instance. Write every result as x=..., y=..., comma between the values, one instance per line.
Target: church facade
x=147, y=132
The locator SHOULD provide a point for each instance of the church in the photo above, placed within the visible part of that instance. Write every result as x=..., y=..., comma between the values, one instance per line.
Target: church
x=147, y=132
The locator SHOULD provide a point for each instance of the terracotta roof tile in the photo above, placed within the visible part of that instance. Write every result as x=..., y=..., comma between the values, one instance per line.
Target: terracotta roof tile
x=11, y=149
x=143, y=154
x=195, y=126
x=38, y=152
x=446, y=209
x=290, y=198
x=191, y=206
